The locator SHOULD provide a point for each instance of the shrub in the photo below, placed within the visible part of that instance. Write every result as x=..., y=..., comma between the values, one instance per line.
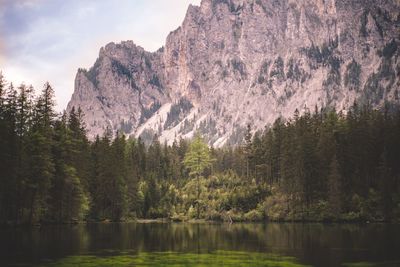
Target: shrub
x=254, y=216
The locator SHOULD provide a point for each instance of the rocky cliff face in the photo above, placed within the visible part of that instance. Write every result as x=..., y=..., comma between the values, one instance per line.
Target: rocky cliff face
x=237, y=62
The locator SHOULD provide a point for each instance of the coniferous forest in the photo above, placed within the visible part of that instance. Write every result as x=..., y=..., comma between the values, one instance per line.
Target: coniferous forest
x=318, y=166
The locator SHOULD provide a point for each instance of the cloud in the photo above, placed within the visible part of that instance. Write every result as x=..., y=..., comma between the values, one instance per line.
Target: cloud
x=20, y=3
x=50, y=39
x=1, y=51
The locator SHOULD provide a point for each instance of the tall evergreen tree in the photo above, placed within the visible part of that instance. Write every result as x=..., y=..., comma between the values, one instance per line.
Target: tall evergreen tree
x=197, y=159
x=335, y=188
x=41, y=161
x=248, y=149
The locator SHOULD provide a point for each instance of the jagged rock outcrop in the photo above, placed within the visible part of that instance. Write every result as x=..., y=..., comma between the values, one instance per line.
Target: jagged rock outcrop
x=235, y=62
x=122, y=90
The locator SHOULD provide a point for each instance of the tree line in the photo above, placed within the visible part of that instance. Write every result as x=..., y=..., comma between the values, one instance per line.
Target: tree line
x=320, y=166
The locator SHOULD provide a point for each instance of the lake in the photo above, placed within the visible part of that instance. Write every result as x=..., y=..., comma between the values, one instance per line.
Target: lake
x=181, y=244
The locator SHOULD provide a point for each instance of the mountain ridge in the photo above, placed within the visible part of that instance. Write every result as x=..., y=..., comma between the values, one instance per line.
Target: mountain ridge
x=234, y=62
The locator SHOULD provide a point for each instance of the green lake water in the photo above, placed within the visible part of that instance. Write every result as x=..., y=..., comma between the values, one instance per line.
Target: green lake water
x=179, y=244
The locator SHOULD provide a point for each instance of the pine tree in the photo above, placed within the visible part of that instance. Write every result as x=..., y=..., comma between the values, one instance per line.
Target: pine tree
x=44, y=110
x=80, y=147
x=118, y=190
x=154, y=159
x=175, y=163
x=132, y=178
x=141, y=158
x=24, y=116
x=9, y=151
x=41, y=161
x=276, y=153
x=96, y=150
x=2, y=94
x=152, y=197
x=386, y=186
x=3, y=152
x=69, y=201
x=197, y=159
x=248, y=149
x=335, y=188
x=103, y=180
x=24, y=108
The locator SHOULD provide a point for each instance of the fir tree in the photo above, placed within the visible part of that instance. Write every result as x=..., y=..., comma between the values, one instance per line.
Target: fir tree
x=335, y=188
x=197, y=159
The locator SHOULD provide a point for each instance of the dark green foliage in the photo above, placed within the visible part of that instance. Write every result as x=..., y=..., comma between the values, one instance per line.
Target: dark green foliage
x=110, y=179
x=43, y=182
x=208, y=128
x=314, y=53
x=237, y=135
x=375, y=87
x=380, y=20
x=178, y=112
x=263, y=72
x=239, y=67
x=334, y=77
x=147, y=61
x=147, y=136
x=293, y=72
x=334, y=188
x=219, y=2
x=126, y=127
x=324, y=56
x=187, y=126
x=155, y=81
x=121, y=69
x=265, y=9
x=69, y=200
x=235, y=9
x=390, y=49
x=93, y=72
x=352, y=76
x=148, y=112
x=316, y=166
x=331, y=170
x=278, y=69
x=364, y=21
x=237, y=29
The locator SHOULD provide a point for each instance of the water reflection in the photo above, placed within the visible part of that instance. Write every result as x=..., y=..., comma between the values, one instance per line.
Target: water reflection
x=313, y=244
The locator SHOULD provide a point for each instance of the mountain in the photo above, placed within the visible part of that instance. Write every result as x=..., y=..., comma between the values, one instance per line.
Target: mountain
x=237, y=62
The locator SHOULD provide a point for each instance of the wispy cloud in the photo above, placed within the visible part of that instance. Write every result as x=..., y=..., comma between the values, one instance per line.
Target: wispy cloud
x=44, y=40
x=20, y=3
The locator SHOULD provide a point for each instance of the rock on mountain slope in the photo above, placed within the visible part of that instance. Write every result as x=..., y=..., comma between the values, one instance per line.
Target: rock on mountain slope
x=235, y=62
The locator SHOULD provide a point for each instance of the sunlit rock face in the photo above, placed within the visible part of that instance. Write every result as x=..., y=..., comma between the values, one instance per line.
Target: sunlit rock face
x=237, y=62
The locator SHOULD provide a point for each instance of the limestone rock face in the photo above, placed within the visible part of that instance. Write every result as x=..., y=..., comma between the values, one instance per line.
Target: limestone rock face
x=122, y=90
x=238, y=62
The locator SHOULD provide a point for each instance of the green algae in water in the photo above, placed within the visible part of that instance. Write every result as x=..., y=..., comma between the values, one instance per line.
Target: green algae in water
x=218, y=258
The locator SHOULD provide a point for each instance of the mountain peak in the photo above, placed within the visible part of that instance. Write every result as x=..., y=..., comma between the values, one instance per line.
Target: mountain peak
x=235, y=62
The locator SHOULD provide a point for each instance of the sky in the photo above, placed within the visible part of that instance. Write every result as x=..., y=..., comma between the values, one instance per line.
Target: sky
x=48, y=40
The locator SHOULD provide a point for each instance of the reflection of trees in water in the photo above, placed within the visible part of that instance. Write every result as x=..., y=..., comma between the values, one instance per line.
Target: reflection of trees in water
x=286, y=238
x=177, y=237
x=32, y=244
x=191, y=237
x=311, y=243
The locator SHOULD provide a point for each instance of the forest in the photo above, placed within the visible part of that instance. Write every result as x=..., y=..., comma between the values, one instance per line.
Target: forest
x=317, y=166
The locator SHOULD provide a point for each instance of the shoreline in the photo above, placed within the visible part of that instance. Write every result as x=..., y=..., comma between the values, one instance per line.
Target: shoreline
x=194, y=221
